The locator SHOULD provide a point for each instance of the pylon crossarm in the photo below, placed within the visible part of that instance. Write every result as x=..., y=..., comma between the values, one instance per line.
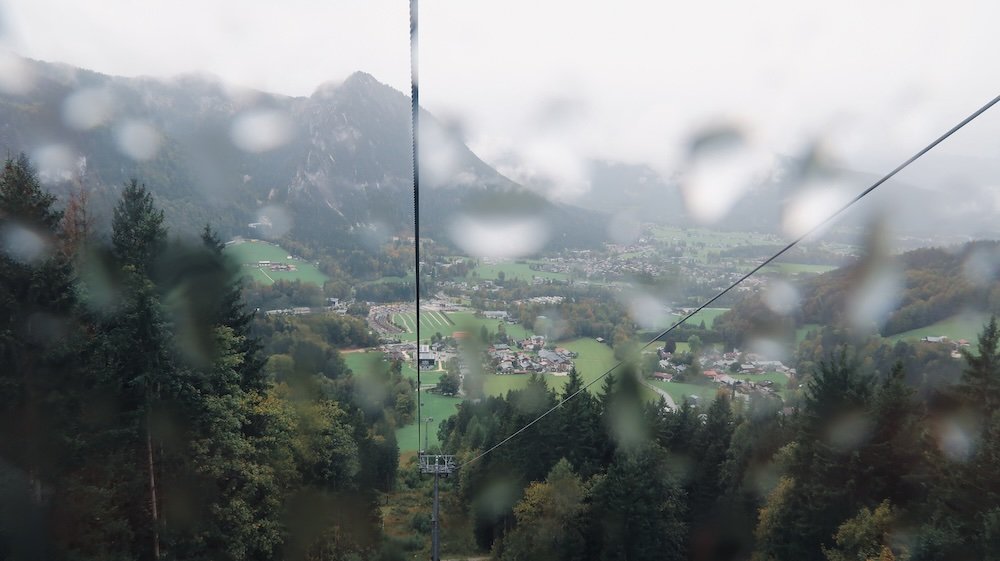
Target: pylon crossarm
x=440, y=464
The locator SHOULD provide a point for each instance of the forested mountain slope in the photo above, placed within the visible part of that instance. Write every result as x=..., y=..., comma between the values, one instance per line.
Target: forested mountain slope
x=928, y=285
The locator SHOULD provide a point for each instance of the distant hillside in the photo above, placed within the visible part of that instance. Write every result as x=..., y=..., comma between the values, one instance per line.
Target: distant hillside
x=937, y=283
x=934, y=284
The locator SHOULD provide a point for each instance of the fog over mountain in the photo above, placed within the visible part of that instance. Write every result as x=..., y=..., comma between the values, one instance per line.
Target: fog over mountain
x=331, y=168
x=334, y=168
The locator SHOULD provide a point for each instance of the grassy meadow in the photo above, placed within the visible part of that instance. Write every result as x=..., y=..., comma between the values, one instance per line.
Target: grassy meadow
x=249, y=253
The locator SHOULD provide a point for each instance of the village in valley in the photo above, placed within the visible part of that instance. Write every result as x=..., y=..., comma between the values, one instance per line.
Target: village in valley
x=491, y=324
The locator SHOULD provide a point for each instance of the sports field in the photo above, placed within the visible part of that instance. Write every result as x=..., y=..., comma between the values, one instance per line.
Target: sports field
x=681, y=391
x=249, y=253
x=447, y=323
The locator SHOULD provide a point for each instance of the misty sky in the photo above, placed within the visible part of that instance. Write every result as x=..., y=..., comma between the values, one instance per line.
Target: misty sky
x=540, y=87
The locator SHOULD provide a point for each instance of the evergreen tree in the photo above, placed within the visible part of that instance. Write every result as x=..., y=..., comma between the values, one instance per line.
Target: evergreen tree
x=578, y=421
x=963, y=523
x=623, y=413
x=825, y=471
x=231, y=312
x=633, y=521
x=707, y=483
x=893, y=458
x=980, y=383
x=38, y=336
x=138, y=235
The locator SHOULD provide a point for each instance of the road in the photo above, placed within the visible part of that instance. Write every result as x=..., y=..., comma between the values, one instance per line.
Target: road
x=663, y=393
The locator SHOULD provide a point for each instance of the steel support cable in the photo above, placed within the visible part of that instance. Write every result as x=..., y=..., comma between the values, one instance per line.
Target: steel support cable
x=414, y=122
x=756, y=269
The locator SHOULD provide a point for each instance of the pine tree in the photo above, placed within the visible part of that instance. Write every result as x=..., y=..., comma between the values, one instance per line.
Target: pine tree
x=707, y=482
x=824, y=483
x=578, y=424
x=638, y=521
x=981, y=379
x=37, y=339
x=138, y=236
x=231, y=312
x=137, y=367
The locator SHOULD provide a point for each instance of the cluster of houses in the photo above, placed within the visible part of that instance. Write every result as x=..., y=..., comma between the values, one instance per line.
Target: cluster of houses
x=334, y=305
x=956, y=345
x=530, y=355
x=718, y=366
x=296, y=311
x=398, y=351
x=274, y=266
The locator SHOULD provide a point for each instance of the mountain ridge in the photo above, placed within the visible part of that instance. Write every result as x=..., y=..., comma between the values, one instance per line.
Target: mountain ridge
x=338, y=162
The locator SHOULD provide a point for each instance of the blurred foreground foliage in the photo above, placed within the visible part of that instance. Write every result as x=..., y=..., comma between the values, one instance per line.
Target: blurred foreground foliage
x=137, y=420
x=867, y=466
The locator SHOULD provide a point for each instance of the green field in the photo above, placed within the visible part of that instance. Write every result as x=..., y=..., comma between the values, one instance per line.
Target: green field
x=681, y=391
x=249, y=253
x=699, y=241
x=707, y=315
x=961, y=326
x=432, y=322
x=796, y=268
x=435, y=406
x=513, y=270
x=801, y=332
x=363, y=363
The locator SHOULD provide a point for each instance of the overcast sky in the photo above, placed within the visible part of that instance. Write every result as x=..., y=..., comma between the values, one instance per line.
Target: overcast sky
x=539, y=87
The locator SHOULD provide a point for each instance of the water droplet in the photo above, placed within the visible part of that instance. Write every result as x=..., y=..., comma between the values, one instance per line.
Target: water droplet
x=17, y=77
x=87, y=108
x=769, y=348
x=955, y=438
x=980, y=266
x=261, y=130
x=875, y=296
x=137, y=139
x=56, y=162
x=23, y=244
x=646, y=310
x=624, y=228
x=498, y=237
x=849, y=431
x=781, y=297
x=273, y=221
x=810, y=206
x=721, y=167
x=439, y=157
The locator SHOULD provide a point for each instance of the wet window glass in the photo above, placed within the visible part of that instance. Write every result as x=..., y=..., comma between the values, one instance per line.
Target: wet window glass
x=514, y=281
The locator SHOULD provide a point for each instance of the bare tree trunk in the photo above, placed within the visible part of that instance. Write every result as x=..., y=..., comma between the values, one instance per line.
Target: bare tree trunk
x=152, y=492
